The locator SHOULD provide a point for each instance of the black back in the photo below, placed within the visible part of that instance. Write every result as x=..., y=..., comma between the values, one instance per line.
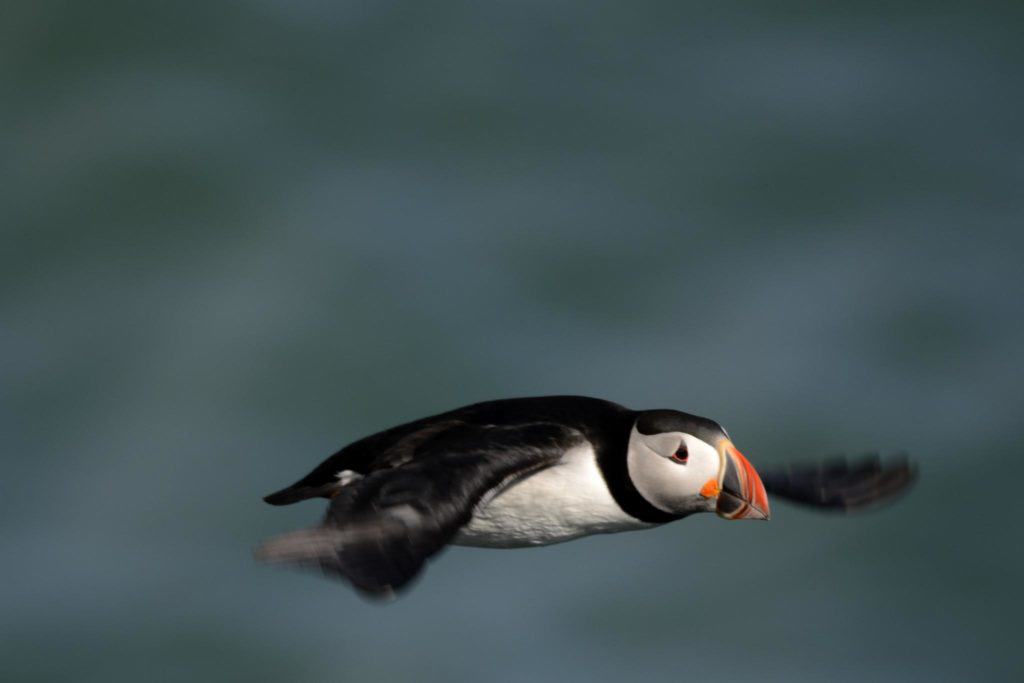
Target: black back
x=606, y=425
x=597, y=419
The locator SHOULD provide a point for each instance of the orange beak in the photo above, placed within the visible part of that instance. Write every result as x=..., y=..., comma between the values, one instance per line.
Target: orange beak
x=742, y=494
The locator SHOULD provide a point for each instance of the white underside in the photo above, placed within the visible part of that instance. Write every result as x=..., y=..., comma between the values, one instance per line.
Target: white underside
x=557, y=504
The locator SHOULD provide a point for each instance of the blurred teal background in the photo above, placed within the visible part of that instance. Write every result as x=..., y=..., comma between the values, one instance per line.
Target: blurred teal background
x=236, y=235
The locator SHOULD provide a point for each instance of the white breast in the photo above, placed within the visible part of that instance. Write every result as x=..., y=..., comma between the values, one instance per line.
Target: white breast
x=557, y=504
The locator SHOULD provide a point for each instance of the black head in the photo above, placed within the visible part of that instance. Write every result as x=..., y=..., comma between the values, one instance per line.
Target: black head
x=664, y=420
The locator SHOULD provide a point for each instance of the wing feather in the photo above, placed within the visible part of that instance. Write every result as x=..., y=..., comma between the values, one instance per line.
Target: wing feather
x=841, y=484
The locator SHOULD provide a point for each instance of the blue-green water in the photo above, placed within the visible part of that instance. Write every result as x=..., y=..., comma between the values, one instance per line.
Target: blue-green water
x=236, y=235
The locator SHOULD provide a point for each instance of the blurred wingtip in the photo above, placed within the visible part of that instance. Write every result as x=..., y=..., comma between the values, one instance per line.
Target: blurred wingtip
x=322, y=549
x=845, y=485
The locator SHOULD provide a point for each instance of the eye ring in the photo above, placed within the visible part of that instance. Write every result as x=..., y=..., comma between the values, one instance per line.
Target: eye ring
x=681, y=455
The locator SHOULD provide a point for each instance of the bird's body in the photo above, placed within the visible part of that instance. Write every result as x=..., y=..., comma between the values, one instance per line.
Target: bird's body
x=525, y=514
x=533, y=471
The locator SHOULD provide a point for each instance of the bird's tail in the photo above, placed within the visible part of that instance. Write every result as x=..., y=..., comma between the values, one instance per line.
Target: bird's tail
x=301, y=490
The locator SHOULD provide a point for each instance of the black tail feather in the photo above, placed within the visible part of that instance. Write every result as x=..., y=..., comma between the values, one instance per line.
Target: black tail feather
x=299, y=492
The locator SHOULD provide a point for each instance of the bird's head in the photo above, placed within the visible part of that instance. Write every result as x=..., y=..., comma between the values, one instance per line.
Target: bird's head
x=682, y=463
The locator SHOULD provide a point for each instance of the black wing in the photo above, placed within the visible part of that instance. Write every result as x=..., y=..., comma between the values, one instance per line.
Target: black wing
x=384, y=450
x=380, y=530
x=840, y=484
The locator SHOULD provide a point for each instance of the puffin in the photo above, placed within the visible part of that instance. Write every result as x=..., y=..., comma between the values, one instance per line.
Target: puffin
x=525, y=472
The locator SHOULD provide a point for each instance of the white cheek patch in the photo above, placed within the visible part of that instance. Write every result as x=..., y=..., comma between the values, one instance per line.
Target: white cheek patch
x=662, y=444
x=664, y=483
x=704, y=463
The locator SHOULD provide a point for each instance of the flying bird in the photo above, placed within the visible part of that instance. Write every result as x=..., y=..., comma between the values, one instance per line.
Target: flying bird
x=535, y=471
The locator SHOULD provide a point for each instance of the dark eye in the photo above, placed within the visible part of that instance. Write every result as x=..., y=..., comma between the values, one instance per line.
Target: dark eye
x=681, y=455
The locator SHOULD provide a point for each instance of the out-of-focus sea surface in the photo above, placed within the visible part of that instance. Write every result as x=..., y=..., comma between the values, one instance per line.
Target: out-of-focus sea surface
x=237, y=235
